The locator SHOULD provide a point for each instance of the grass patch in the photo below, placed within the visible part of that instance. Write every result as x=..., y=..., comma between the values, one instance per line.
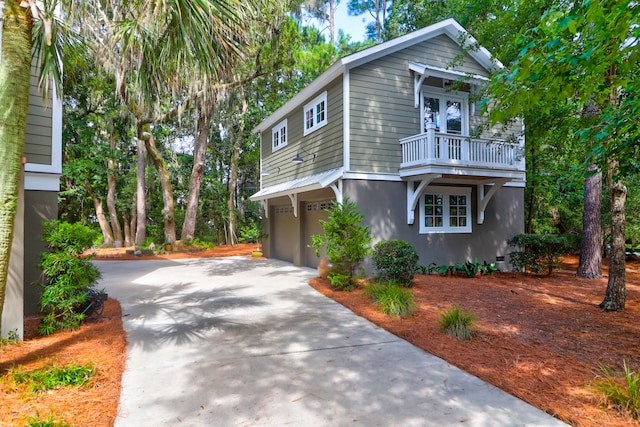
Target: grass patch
x=392, y=299
x=52, y=377
x=11, y=338
x=457, y=323
x=621, y=391
x=35, y=421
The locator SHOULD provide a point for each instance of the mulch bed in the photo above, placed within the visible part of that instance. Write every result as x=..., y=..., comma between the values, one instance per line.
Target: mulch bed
x=542, y=339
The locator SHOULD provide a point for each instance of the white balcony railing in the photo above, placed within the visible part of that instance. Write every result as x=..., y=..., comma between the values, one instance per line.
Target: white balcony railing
x=434, y=148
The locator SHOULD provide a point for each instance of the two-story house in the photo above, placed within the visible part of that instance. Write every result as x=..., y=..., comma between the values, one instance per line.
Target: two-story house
x=396, y=129
x=37, y=203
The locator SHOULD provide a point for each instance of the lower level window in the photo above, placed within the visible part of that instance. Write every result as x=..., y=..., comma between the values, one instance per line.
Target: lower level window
x=445, y=210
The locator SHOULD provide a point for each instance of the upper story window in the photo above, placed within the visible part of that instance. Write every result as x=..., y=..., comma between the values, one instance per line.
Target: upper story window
x=279, y=135
x=445, y=210
x=315, y=114
x=448, y=110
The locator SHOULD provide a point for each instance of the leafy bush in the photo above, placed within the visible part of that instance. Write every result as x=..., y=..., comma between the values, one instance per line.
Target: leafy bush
x=52, y=377
x=340, y=281
x=346, y=241
x=392, y=299
x=457, y=323
x=396, y=260
x=68, y=277
x=538, y=252
x=621, y=391
x=251, y=232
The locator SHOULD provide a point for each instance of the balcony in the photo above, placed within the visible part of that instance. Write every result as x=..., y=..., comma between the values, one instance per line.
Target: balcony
x=448, y=154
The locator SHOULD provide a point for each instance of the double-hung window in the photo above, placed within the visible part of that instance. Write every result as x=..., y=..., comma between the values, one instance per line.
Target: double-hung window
x=279, y=135
x=445, y=210
x=315, y=114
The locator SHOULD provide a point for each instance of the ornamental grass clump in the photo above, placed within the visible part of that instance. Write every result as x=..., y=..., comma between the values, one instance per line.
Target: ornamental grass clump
x=392, y=299
x=457, y=323
x=620, y=391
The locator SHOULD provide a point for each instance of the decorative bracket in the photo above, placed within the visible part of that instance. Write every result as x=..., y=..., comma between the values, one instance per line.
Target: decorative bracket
x=294, y=202
x=265, y=207
x=413, y=194
x=337, y=190
x=483, y=199
x=417, y=85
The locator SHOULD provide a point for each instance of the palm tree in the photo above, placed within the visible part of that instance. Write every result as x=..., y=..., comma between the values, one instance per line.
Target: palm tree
x=147, y=44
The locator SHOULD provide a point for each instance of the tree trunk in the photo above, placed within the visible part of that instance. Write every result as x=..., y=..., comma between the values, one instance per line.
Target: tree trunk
x=233, y=185
x=165, y=183
x=134, y=219
x=15, y=67
x=128, y=241
x=199, y=156
x=532, y=175
x=102, y=219
x=590, y=265
x=333, y=4
x=616, y=295
x=141, y=203
x=111, y=198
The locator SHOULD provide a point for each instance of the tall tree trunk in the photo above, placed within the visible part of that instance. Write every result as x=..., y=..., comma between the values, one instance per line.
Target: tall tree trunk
x=532, y=179
x=333, y=4
x=15, y=67
x=616, y=295
x=141, y=187
x=165, y=183
x=102, y=218
x=134, y=219
x=233, y=185
x=590, y=265
x=128, y=241
x=111, y=197
x=199, y=156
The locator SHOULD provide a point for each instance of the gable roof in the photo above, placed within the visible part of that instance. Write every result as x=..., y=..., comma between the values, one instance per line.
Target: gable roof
x=449, y=27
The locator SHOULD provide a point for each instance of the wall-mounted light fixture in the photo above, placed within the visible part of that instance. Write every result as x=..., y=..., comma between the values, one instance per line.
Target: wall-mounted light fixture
x=298, y=159
x=265, y=172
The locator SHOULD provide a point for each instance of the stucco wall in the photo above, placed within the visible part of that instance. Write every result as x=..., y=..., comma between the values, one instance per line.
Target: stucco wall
x=384, y=205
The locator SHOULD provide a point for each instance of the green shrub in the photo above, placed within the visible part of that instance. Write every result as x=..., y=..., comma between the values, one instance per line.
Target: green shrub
x=621, y=391
x=35, y=421
x=538, y=252
x=340, y=281
x=52, y=377
x=396, y=261
x=392, y=299
x=67, y=276
x=457, y=323
x=346, y=241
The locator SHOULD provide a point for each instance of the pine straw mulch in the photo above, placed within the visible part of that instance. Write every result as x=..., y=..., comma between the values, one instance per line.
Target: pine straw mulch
x=100, y=342
x=539, y=338
x=542, y=339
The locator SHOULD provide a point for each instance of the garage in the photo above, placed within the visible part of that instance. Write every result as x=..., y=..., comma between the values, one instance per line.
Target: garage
x=283, y=232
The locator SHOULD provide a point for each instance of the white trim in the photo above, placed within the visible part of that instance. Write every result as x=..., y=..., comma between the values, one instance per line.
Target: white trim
x=311, y=106
x=449, y=27
x=394, y=177
x=484, y=198
x=413, y=195
x=41, y=181
x=278, y=128
x=56, y=141
x=446, y=192
x=346, y=121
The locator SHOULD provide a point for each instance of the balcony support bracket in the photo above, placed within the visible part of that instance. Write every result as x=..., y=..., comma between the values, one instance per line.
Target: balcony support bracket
x=413, y=193
x=294, y=202
x=484, y=198
x=265, y=207
x=337, y=190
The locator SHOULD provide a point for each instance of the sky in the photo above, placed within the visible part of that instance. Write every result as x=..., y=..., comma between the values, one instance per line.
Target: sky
x=352, y=25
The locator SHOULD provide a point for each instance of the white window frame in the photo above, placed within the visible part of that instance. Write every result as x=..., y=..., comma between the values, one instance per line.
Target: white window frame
x=446, y=192
x=279, y=135
x=312, y=107
x=444, y=95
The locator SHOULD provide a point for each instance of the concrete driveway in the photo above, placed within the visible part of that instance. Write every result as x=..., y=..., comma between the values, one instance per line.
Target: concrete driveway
x=246, y=342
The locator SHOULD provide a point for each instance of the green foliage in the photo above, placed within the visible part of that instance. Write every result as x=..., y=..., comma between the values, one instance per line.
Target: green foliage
x=251, y=232
x=50, y=421
x=620, y=391
x=457, y=323
x=538, y=252
x=51, y=377
x=12, y=338
x=346, y=240
x=67, y=276
x=396, y=260
x=340, y=281
x=392, y=299
x=470, y=269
